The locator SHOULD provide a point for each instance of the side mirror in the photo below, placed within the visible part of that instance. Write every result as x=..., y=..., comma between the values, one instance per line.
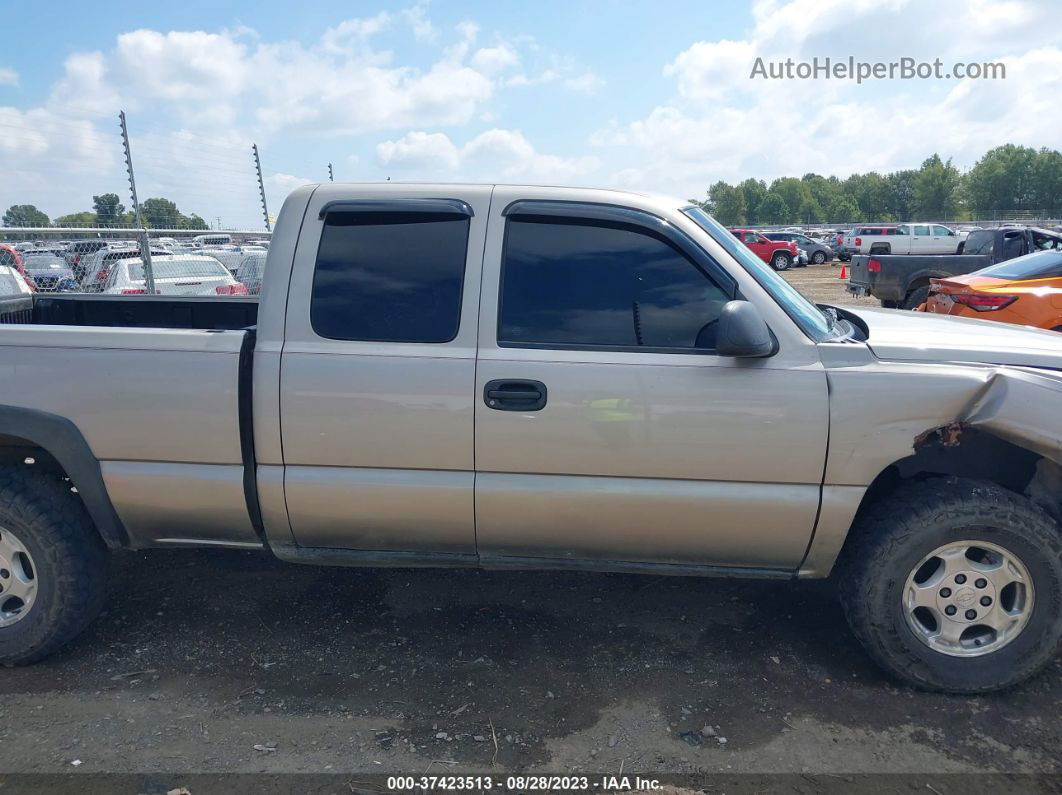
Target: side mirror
x=743, y=333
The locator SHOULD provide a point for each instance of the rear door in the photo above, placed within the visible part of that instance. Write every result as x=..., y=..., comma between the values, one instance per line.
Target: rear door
x=377, y=377
x=921, y=240
x=607, y=429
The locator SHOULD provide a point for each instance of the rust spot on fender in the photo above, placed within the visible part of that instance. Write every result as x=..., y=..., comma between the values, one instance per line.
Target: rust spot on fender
x=946, y=435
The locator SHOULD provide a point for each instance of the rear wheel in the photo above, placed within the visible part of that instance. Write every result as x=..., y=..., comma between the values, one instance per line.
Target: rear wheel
x=916, y=298
x=53, y=565
x=781, y=261
x=955, y=585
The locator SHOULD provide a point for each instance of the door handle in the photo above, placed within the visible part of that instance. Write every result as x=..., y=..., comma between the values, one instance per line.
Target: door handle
x=514, y=395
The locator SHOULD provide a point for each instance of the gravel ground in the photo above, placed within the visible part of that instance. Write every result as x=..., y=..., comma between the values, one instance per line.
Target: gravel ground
x=216, y=662
x=821, y=283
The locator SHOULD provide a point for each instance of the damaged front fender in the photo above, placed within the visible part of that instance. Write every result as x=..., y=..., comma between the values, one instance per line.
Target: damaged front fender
x=1018, y=405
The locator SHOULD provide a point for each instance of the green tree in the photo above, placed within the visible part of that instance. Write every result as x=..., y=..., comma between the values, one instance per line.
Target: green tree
x=109, y=209
x=870, y=192
x=1002, y=181
x=727, y=204
x=840, y=209
x=24, y=215
x=773, y=209
x=193, y=221
x=936, y=189
x=160, y=213
x=1047, y=182
x=754, y=191
x=77, y=219
x=900, y=194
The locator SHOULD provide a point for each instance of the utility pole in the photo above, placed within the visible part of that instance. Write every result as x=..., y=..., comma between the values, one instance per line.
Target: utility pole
x=330, y=173
x=261, y=186
x=145, y=245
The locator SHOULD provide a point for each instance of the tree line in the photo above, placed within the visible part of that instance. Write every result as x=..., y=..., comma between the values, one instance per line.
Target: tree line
x=1007, y=180
x=107, y=210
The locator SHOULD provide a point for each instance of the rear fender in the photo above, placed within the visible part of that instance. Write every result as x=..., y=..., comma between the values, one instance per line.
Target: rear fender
x=60, y=438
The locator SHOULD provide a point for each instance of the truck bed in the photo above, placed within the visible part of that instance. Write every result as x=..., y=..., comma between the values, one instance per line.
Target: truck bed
x=149, y=311
x=165, y=411
x=900, y=273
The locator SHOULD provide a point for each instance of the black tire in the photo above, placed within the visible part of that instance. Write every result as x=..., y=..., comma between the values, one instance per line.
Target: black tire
x=961, y=248
x=819, y=257
x=916, y=298
x=883, y=249
x=70, y=562
x=889, y=304
x=890, y=539
x=781, y=261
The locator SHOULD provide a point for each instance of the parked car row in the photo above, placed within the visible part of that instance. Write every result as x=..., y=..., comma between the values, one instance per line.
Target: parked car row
x=206, y=265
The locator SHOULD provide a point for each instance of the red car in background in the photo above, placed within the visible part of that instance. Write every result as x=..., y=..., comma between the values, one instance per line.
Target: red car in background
x=12, y=258
x=779, y=254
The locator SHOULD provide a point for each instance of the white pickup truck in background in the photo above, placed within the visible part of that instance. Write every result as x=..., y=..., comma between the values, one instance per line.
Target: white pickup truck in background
x=907, y=239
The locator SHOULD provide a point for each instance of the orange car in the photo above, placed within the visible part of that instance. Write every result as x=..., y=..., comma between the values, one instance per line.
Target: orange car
x=1025, y=290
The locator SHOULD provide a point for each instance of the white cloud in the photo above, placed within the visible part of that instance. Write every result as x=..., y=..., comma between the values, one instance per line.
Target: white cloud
x=419, y=151
x=587, y=83
x=492, y=60
x=8, y=77
x=719, y=124
x=496, y=154
x=417, y=18
x=278, y=186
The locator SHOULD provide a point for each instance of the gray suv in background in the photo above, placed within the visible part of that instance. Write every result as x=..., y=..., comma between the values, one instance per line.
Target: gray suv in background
x=818, y=252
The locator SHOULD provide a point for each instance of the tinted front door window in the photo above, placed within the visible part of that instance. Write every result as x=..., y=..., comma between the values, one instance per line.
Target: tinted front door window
x=592, y=284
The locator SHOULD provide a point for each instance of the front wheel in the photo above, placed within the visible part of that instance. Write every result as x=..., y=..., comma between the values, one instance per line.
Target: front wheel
x=955, y=585
x=781, y=261
x=819, y=257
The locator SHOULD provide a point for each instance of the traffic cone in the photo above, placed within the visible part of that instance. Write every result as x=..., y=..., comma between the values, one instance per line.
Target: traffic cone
x=844, y=272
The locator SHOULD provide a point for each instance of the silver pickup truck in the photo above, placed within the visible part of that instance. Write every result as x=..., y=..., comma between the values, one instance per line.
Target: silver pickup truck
x=542, y=378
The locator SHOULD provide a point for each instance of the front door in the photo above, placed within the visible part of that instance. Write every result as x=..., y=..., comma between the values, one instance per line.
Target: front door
x=625, y=437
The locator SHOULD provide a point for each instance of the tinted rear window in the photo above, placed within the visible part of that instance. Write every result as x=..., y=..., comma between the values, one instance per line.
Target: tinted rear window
x=980, y=241
x=389, y=277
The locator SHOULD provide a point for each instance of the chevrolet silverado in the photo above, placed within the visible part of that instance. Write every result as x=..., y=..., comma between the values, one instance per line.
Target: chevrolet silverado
x=541, y=378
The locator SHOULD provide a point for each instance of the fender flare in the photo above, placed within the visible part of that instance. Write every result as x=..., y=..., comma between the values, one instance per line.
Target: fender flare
x=62, y=440
x=925, y=273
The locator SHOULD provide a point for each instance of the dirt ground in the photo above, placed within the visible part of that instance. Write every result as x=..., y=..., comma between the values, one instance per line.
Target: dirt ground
x=215, y=662
x=211, y=662
x=822, y=284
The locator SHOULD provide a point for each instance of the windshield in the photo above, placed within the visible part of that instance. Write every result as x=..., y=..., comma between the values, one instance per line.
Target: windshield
x=1041, y=265
x=38, y=262
x=813, y=321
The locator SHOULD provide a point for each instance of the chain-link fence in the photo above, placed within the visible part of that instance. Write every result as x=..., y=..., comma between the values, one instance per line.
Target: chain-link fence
x=125, y=214
x=210, y=264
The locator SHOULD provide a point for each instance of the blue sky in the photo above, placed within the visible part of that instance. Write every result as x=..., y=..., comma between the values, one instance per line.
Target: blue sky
x=647, y=96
